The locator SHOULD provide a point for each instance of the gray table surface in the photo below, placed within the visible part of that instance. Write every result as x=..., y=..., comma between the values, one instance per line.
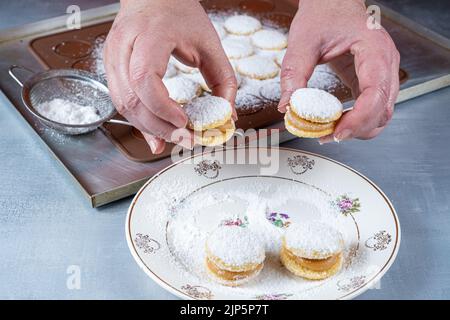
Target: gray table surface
x=46, y=225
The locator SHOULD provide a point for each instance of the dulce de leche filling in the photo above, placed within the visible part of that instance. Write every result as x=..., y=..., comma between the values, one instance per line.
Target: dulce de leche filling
x=307, y=125
x=230, y=275
x=219, y=131
x=314, y=264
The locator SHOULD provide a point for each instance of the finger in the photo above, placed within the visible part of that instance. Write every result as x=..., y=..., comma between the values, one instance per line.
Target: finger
x=372, y=108
x=112, y=56
x=298, y=65
x=217, y=70
x=117, y=53
x=370, y=135
x=146, y=73
x=161, y=129
x=344, y=67
x=156, y=144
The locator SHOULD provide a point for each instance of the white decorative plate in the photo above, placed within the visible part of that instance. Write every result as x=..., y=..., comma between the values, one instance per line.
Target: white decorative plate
x=172, y=214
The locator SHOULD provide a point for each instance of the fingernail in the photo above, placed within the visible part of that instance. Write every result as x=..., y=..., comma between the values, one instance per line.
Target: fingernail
x=183, y=138
x=324, y=140
x=343, y=135
x=180, y=121
x=152, y=145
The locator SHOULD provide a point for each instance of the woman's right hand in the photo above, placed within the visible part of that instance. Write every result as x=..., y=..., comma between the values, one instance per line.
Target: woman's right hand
x=144, y=35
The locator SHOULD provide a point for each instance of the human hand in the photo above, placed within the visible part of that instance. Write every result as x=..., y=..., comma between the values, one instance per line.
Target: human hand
x=138, y=47
x=365, y=59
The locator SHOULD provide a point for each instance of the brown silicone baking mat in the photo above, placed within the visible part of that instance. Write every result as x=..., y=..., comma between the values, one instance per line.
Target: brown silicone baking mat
x=76, y=49
x=104, y=170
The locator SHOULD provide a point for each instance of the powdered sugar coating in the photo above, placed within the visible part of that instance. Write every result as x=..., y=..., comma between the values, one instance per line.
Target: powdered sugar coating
x=323, y=78
x=242, y=25
x=247, y=99
x=207, y=110
x=271, y=90
x=235, y=246
x=240, y=38
x=236, y=49
x=198, y=77
x=315, y=104
x=269, y=40
x=313, y=240
x=182, y=89
x=256, y=67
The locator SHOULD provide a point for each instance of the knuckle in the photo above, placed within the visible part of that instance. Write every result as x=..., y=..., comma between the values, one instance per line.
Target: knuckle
x=382, y=93
x=389, y=113
x=231, y=82
x=138, y=74
x=118, y=29
x=386, y=116
x=288, y=72
x=130, y=103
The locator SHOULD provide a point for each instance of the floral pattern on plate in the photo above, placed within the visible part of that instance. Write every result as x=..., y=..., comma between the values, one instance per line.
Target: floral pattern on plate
x=278, y=219
x=207, y=168
x=146, y=244
x=347, y=205
x=235, y=222
x=300, y=164
x=380, y=241
x=198, y=292
x=274, y=296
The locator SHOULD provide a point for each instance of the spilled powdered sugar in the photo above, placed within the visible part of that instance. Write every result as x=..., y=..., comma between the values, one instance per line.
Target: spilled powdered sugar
x=265, y=210
x=97, y=55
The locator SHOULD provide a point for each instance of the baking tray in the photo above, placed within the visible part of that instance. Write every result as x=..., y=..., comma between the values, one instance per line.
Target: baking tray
x=103, y=170
x=79, y=49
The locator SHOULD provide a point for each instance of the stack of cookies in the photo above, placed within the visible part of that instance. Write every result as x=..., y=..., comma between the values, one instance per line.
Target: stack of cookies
x=312, y=113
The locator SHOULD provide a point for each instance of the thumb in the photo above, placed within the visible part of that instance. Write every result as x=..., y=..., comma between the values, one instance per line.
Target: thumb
x=156, y=144
x=298, y=65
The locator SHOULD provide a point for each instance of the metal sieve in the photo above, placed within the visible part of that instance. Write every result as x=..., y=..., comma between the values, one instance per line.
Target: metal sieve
x=77, y=86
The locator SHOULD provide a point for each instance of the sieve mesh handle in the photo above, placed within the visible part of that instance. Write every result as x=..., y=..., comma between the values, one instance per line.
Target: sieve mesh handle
x=122, y=122
x=14, y=76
